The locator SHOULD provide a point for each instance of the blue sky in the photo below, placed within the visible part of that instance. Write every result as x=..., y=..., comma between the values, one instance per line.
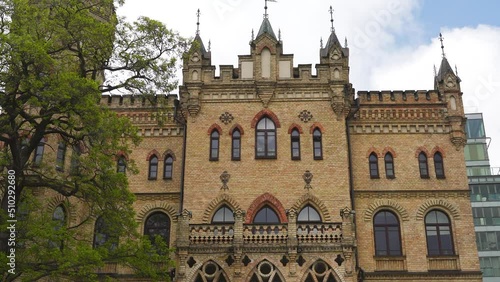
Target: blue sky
x=394, y=43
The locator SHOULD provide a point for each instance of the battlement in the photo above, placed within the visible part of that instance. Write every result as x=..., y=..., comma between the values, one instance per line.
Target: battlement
x=138, y=101
x=400, y=96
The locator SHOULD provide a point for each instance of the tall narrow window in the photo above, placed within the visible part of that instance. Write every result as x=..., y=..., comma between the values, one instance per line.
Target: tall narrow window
x=295, y=144
x=37, y=160
x=103, y=236
x=75, y=160
x=438, y=165
x=223, y=215
x=389, y=166
x=61, y=155
x=158, y=225
x=265, y=139
x=308, y=214
x=153, y=167
x=438, y=232
x=373, y=163
x=121, y=165
x=168, y=167
x=59, y=218
x=387, y=234
x=214, y=145
x=266, y=215
x=317, y=143
x=422, y=165
x=236, y=145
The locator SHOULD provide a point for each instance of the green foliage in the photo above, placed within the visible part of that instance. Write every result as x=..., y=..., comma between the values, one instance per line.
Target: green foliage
x=57, y=58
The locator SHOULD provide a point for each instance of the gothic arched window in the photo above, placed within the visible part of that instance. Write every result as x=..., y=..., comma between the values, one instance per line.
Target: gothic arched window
x=423, y=166
x=223, y=215
x=121, y=165
x=153, y=168
x=266, y=215
x=214, y=145
x=439, y=165
x=389, y=165
x=373, y=163
x=308, y=214
x=236, y=145
x=168, y=167
x=265, y=139
x=295, y=144
x=317, y=144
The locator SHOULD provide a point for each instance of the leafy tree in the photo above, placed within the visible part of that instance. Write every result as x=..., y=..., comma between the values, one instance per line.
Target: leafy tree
x=57, y=58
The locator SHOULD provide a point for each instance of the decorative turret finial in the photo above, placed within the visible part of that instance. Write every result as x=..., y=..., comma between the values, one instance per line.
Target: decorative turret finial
x=441, y=38
x=456, y=70
x=435, y=71
x=265, y=8
x=252, y=35
x=198, y=22
x=279, y=34
x=209, y=45
x=345, y=44
x=331, y=18
x=321, y=43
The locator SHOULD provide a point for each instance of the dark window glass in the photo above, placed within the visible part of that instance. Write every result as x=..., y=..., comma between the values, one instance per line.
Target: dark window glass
x=214, y=145
x=59, y=218
x=308, y=214
x=61, y=155
x=387, y=234
x=484, y=216
x=168, y=167
x=488, y=241
x=373, y=163
x=422, y=165
x=317, y=144
x=223, y=215
x=103, y=236
x=37, y=160
x=265, y=139
x=153, y=167
x=75, y=160
x=121, y=165
x=490, y=266
x=438, y=232
x=475, y=128
x=389, y=165
x=438, y=165
x=295, y=144
x=236, y=146
x=266, y=215
x=158, y=224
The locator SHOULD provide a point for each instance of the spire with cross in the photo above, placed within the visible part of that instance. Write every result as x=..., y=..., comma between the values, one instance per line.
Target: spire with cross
x=331, y=18
x=198, y=22
x=265, y=8
x=441, y=38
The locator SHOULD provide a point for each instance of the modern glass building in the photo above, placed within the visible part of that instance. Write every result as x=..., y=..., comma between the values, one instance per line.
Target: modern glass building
x=484, y=183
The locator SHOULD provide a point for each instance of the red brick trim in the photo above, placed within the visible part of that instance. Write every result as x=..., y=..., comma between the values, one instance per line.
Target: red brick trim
x=234, y=127
x=152, y=153
x=264, y=113
x=294, y=125
x=372, y=150
x=421, y=150
x=437, y=149
x=216, y=127
x=121, y=154
x=317, y=125
x=168, y=152
x=261, y=201
x=388, y=150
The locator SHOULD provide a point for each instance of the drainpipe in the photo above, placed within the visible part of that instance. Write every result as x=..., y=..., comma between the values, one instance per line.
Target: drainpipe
x=349, y=154
x=182, y=121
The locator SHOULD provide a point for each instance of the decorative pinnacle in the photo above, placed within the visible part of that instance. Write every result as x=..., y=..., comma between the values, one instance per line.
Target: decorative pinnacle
x=441, y=38
x=456, y=70
x=331, y=18
x=321, y=42
x=345, y=44
x=209, y=45
x=252, y=34
x=435, y=71
x=198, y=22
x=279, y=34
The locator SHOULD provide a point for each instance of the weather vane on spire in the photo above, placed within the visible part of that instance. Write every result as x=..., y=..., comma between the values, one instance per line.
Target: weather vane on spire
x=331, y=18
x=265, y=8
x=442, y=46
x=198, y=22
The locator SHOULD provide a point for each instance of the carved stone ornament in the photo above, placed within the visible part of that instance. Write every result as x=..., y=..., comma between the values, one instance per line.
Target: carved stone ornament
x=308, y=176
x=224, y=178
x=305, y=116
x=345, y=213
x=226, y=118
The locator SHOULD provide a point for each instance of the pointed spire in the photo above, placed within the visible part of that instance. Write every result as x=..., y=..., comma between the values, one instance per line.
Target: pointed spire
x=198, y=22
x=331, y=18
x=441, y=38
x=321, y=43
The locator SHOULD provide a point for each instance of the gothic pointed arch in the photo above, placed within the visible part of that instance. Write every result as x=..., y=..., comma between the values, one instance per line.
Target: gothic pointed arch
x=316, y=203
x=390, y=204
x=61, y=200
x=389, y=150
x=265, y=271
x=421, y=150
x=264, y=113
x=372, y=150
x=214, y=127
x=295, y=126
x=152, y=153
x=236, y=126
x=168, y=152
x=262, y=200
x=450, y=208
x=216, y=203
x=154, y=207
x=320, y=271
x=210, y=271
x=436, y=150
x=316, y=125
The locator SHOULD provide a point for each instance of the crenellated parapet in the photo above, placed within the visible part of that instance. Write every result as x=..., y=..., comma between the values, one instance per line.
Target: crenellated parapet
x=421, y=97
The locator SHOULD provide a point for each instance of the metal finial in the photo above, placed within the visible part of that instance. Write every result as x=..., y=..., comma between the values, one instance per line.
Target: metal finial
x=252, y=34
x=456, y=70
x=209, y=45
x=441, y=38
x=331, y=18
x=279, y=34
x=321, y=42
x=265, y=8
x=345, y=44
x=435, y=71
x=198, y=22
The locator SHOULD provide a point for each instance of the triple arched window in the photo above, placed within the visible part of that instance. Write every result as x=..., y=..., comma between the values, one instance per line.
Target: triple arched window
x=265, y=139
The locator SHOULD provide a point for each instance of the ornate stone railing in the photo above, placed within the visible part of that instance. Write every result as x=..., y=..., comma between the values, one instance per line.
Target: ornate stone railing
x=319, y=233
x=211, y=234
x=265, y=233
